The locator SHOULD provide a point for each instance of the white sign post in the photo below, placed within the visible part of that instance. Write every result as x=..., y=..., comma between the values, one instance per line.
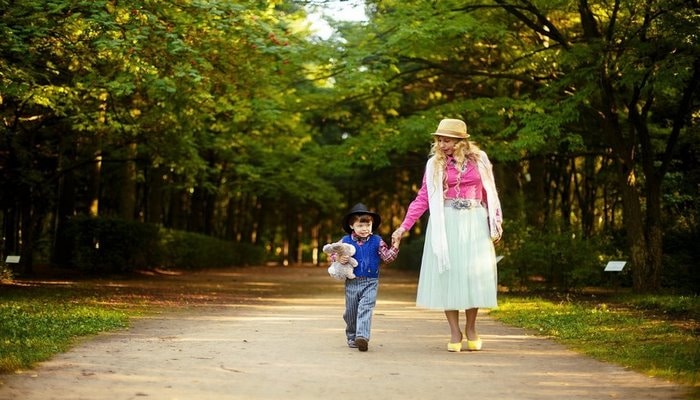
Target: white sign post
x=12, y=260
x=6, y=271
x=615, y=266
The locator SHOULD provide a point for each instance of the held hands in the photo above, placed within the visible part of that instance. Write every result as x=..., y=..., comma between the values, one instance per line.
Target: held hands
x=396, y=236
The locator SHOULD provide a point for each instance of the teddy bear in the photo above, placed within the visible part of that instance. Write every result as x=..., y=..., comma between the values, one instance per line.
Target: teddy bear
x=337, y=270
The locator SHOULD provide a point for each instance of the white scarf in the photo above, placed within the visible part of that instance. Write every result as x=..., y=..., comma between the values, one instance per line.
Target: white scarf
x=493, y=204
x=436, y=204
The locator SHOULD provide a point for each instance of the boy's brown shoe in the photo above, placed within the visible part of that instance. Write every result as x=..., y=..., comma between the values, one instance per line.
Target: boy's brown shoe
x=361, y=343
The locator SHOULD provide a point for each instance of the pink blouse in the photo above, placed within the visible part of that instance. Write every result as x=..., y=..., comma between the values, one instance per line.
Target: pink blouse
x=466, y=186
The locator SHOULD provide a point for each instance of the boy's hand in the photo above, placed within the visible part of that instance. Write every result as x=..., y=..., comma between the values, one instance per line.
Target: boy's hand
x=396, y=236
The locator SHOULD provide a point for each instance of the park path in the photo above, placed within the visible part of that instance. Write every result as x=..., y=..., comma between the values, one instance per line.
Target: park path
x=277, y=333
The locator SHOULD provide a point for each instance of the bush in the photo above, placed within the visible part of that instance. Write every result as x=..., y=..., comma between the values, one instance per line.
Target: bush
x=192, y=250
x=536, y=260
x=681, y=253
x=110, y=245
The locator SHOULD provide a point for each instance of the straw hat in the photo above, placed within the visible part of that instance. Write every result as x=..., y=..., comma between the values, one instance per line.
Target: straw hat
x=455, y=128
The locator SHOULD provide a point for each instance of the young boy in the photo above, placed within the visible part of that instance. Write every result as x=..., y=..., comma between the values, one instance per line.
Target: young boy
x=361, y=292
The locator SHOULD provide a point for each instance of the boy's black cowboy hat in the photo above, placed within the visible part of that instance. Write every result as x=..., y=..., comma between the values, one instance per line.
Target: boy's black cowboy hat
x=360, y=208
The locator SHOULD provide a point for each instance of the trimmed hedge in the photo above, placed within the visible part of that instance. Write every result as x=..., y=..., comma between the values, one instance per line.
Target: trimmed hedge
x=193, y=250
x=112, y=245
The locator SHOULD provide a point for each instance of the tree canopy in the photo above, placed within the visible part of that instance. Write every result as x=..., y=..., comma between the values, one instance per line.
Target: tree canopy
x=231, y=119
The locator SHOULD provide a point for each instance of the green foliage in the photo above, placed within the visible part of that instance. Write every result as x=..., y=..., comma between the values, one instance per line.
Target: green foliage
x=200, y=88
x=535, y=260
x=680, y=259
x=195, y=251
x=610, y=332
x=674, y=306
x=113, y=245
x=234, y=101
x=5, y=273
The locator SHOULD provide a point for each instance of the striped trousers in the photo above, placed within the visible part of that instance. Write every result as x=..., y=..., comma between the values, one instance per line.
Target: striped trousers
x=360, y=299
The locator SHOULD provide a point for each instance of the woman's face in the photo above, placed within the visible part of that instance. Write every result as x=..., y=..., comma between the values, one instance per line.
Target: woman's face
x=446, y=144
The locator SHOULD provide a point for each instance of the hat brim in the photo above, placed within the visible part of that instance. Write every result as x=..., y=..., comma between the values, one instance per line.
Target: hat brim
x=451, y=134
x=376, y=220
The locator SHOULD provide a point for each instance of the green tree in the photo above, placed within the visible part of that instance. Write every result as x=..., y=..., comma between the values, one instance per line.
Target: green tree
x=168, y=113
x=613, y=82
x=635, y=67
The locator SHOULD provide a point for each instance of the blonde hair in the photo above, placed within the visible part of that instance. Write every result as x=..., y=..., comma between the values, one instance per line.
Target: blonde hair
x=465, y=150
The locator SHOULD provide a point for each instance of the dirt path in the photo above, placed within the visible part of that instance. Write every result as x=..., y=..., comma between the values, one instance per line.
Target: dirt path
x=277, y=333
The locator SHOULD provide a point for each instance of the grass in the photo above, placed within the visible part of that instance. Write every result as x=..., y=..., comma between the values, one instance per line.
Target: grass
x=654, y=335
x=36, y=324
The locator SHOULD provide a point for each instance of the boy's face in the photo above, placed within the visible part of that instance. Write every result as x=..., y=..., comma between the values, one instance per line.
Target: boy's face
x=362, y=229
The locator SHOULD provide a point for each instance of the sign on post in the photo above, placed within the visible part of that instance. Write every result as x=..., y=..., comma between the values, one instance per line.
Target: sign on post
x=12, y=260
x=615, y=266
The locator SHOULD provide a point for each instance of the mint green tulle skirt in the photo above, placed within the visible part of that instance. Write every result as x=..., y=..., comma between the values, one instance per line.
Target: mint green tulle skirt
x=472, y=279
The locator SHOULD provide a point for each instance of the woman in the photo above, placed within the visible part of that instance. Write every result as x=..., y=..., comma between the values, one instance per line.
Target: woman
x=458, y=269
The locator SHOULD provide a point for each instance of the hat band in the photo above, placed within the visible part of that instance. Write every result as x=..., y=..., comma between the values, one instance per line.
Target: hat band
x=451, y=132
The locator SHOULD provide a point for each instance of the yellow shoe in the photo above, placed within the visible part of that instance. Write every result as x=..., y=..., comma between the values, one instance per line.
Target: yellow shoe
x=455, y=347
x=474, y=345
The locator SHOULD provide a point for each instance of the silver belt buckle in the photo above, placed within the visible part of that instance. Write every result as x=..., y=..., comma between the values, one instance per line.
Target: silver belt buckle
x=464, y=204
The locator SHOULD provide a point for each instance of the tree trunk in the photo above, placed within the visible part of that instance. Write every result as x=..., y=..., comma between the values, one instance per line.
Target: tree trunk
x=259, y=222
x=178, y=203
x=632, y=218
x=299, y=240
x=208, y=213
x=197, y=213
x=10, y=230
x=127, y=192
x=94, y=186
x=565, y=193
x=654, y=235
x=154, y=196
x=64, y=211
x=535, y=193
x=588, y=196
x=26, y=249
x=315, y=229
